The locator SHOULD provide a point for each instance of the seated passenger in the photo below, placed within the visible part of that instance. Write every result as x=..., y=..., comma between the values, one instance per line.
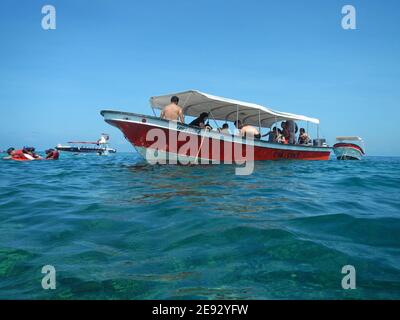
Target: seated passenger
x=280, y=138
x=173, y=112
x=303, y=137
x=271, y=135
x=52, y=154
x=238, y=126
x=225, y=129
x=200, y=121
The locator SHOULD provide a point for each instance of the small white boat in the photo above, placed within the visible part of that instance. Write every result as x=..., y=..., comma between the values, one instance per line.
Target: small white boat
x=99, y=147
x=349, y=148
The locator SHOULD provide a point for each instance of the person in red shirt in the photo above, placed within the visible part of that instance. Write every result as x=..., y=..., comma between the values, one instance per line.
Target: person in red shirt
x=52, y=154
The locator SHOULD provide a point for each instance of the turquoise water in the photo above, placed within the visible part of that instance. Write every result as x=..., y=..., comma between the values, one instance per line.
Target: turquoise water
x=117, y=228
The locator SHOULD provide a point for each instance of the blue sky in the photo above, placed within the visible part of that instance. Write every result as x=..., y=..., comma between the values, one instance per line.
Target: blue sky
x=289, y=55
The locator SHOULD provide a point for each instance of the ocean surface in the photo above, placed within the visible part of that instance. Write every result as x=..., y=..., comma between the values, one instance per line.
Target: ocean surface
x=117, y=228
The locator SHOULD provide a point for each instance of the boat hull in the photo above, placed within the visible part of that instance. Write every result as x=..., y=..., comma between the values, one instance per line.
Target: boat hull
x=348, y=151
x=198, y=145
x=85, y=150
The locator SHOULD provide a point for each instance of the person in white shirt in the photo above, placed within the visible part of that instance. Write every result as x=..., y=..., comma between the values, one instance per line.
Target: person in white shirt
x=225, y=129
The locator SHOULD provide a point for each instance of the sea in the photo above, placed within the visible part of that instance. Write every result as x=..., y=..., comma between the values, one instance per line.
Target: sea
x=114, y=227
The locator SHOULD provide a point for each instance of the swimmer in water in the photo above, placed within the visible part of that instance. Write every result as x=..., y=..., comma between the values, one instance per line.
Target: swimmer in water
x=52, y=154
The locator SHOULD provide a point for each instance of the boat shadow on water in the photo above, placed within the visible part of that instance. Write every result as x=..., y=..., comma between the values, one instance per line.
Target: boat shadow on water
x=198, y=184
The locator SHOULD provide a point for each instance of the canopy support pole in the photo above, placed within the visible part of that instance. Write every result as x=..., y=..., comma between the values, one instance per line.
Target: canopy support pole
x=259, y=121
x=237, y=117
x=308, y=135
x=215, y=121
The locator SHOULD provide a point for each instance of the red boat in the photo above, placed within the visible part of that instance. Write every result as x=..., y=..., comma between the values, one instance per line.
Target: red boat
x=162, y=141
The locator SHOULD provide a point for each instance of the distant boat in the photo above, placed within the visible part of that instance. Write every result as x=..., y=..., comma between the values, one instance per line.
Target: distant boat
x=349, y=148
x=99, y=147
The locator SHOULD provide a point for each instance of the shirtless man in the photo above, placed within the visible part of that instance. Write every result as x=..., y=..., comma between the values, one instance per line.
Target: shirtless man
x=173, y=112
x=247, y=130
x=250, y=131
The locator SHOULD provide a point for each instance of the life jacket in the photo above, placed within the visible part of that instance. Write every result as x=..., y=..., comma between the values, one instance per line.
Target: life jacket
x=19, y=155
x=54, y=155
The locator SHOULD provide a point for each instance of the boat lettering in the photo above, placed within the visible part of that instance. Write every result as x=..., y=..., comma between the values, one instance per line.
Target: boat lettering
x=286, y=155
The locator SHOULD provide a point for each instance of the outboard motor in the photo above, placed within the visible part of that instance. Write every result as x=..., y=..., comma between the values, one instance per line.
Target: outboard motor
x=319, y=142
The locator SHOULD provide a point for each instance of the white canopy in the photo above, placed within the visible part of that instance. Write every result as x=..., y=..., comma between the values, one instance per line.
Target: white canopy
x=195, y=102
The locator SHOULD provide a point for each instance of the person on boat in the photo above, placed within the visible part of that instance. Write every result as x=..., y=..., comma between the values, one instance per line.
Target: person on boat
x=285, y=131
x=173, y=111
x=280, y=138
x=272, y=135
x=52, y=154
x=292, y=130
x=225, y=129
x=303, y=137
x=200, y=121
x=103, y=139
x=247, y=130
x=238, y=126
